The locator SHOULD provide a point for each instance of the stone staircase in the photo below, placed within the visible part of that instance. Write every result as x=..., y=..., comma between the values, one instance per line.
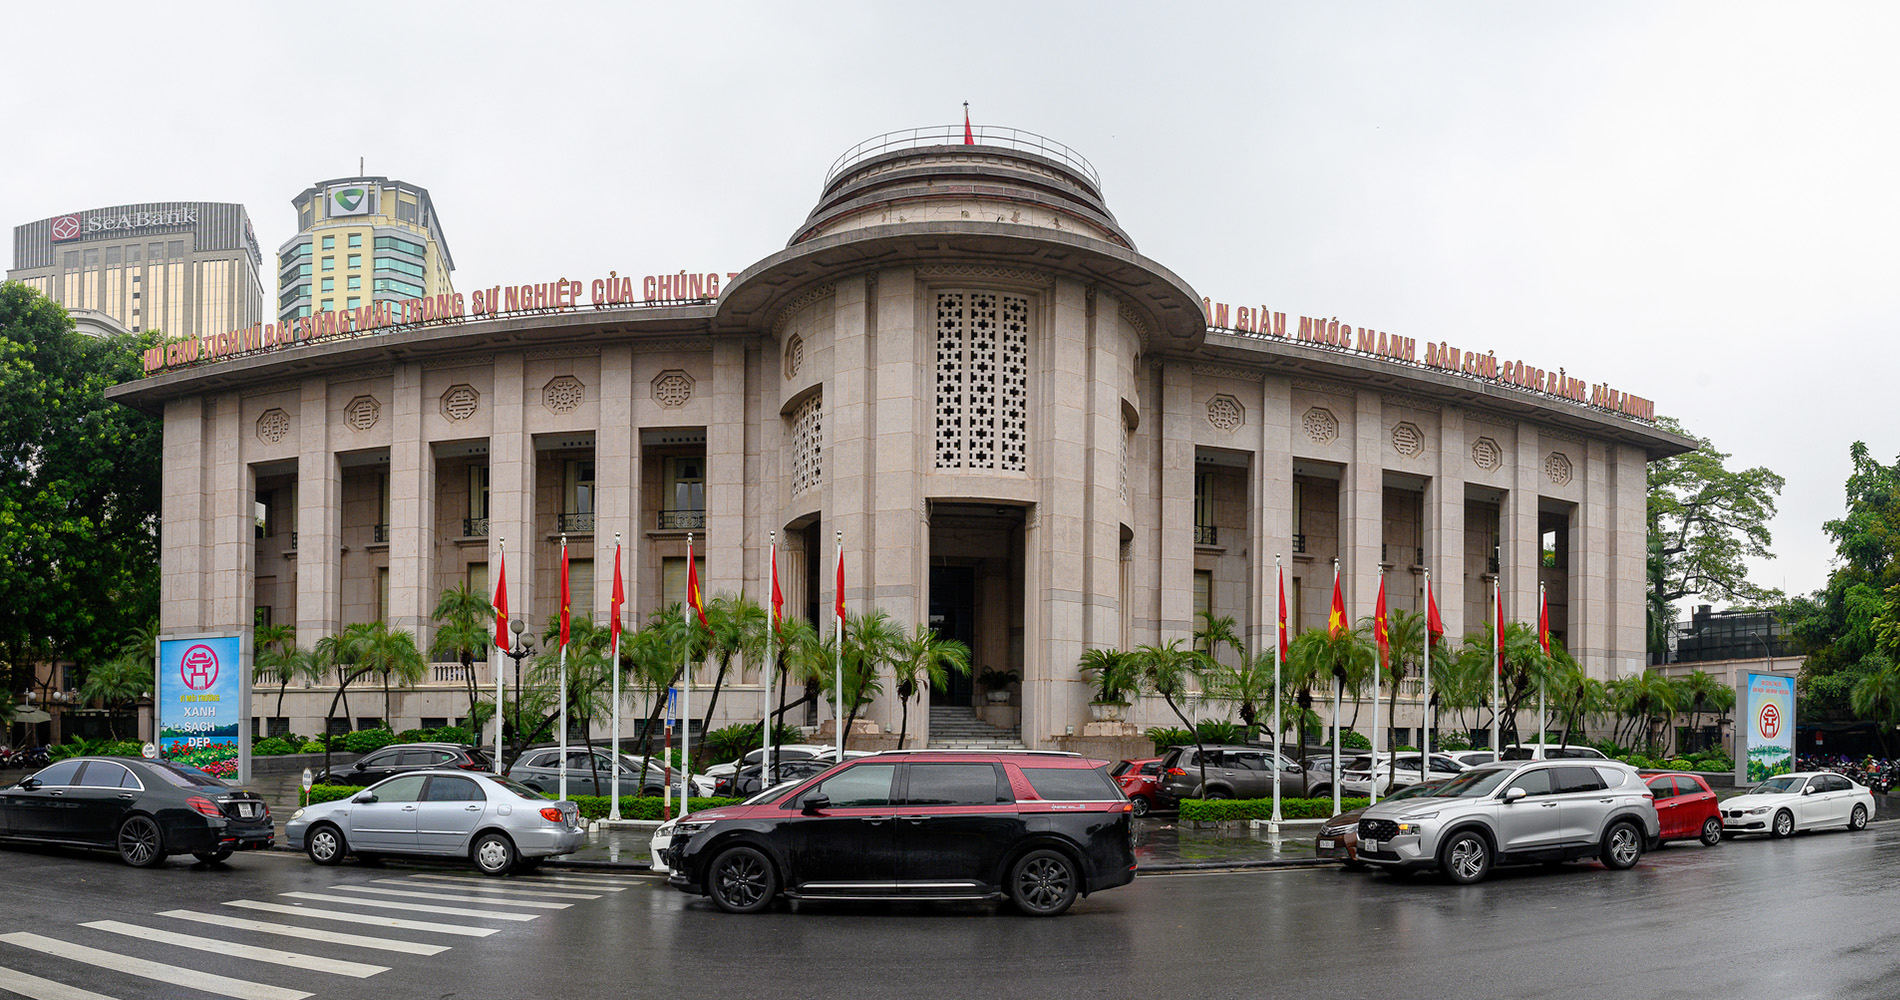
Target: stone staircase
x=956, y=727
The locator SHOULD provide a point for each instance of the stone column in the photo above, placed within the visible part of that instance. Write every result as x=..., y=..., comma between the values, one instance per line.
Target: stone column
x=184, y=550
x=319, y=519
x=1590, y=563
x=411, y=510
x=1362, y=507
x=847, y=456
x=511, y=508
x=1520, y=540
x=1176, y=440
x=232, y=494
x=1272, y=518
x=1628, y=483
x=617, y=493
x=725, y=470
x=1445, y=522
x=1053, y=692
x=896, y=457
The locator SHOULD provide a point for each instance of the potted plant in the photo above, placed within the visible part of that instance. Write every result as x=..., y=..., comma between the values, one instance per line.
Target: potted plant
x=996, y=684
x=1115, y=675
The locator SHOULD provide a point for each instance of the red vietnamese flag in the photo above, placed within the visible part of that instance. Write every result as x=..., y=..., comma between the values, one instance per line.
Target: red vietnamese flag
x=564, y=593
x=1336, y=619
x=619, y=599
x=1434, y=625
x=692, y=588
x=969, y=137
x=501, y=604
x=1380, y=634
x=838, y=589
x=1543, y=619
x=1497, y=627
x=1282, y=583
x=778, y=596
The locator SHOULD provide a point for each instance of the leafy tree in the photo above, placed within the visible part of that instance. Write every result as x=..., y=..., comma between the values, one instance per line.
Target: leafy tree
x=590, y=676
x=1246, y=685
x=363, y=649
x=79, y=488
x=1322, y=661
x=1577, y=697
x=464, y=632
x=1166, y=670
x=1114, y=673
x=1877, y=697
x=120, y=682
x=1405, y=633
x=870, y=641
x=739, y=629
x=1705, y=522
x=922, y=661
x=280, y=661
x=1850, y=629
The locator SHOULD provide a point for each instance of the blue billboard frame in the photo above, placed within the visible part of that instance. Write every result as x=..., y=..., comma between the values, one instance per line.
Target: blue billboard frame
x=202, y=703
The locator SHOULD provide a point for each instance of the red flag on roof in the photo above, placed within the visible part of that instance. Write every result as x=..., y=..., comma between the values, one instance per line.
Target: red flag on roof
x=969, y=136
x=501, y=603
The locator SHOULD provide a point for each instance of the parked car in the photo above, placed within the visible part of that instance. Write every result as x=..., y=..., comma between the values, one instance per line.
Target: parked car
x=1038, y=828
x=788, y=751
x=1515, y=812
x=1339, y=836
x=1805, y=800
x=147, y=810
x=496, y=822
x=402, y=758
x=539, y=770
x=1472, y=758
x=1552, y=751
x=1686, y=807
x=1240, y=772
x=663, y=835
x=1392, y=769
x=749, y=781
x=1140, y=780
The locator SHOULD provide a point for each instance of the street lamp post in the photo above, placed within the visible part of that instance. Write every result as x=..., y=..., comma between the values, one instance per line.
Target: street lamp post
x=523, y=648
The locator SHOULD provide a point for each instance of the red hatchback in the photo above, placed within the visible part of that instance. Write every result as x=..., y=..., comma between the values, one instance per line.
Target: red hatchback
x=1140, y=780
x=1686, y=806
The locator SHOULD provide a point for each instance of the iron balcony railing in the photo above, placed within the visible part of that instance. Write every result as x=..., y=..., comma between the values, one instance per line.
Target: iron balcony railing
x=952, y=135
x=682, y=520
x=1299, y=544
x=475, y=527
x=382, y=533
x=1206, y=534
x=581, y=523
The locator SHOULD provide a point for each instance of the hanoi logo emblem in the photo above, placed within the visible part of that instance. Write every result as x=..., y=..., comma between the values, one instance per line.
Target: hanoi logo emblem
x=65, y=227
x=199, y=668
x=1770, y=721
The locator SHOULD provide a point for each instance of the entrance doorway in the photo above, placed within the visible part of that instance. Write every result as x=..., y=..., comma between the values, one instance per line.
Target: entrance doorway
x=953, y=615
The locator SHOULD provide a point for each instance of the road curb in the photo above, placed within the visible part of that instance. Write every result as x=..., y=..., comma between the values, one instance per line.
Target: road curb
x=1179, y=867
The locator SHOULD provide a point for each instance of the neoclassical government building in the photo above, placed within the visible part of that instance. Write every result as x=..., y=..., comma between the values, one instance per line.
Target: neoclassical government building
x=1030, y=435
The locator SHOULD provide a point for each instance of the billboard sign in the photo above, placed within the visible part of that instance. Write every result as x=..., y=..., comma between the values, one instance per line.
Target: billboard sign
x=348, y=199
x=1767, y=727
x=204, y=703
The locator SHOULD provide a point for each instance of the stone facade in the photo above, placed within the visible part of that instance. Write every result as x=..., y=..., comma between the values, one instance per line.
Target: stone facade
x=1024, y=430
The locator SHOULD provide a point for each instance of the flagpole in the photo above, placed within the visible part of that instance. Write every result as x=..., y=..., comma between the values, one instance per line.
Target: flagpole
x=1543, y=640
x=613, y=801
x=686, y=689
x=1338, y=685
x=838, y=634
x=1279, y=741
x=1497, y=669
x=501, y=581
x=1425, y=725
x=564, y=761
x=1378, y=672
x=771, y=664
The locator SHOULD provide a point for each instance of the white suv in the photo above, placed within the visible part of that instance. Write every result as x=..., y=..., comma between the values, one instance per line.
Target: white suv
x=1515, y=812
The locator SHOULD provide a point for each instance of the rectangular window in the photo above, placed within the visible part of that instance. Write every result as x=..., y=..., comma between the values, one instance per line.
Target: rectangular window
x=356, y=260
x=329, y=305
x=329, y=243
x=684, y=488
x=478, y=580
x=580, y=586
x=175, y=249
x=1203, y=596
x=1293, y=607
x=329, y=263
x=1203, y=500
x=1071, y=784
x=327, y=284
x=398, y=245
x=954, y=785
x=579, y=492
x=673, y=579
x=260, y=509
x=403, y=266
x=355, y=300
x=356, y=240
x=399, y=287
x=356, y=283
x=478, y=491
x=382, y=593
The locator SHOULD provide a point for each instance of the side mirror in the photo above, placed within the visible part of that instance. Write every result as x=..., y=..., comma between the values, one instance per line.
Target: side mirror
x=360, y=766
x=1295, y=768
x=29, y=784
x=1808, y=790
x=1513, y=794
x=365, y=798
x=816, y=803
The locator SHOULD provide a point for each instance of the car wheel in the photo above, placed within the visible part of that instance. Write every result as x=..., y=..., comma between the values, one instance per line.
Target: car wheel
x=1043, y=883
x=1214, y=794
x=141, y=845
x=741, y=880
x=493, y=853
x=1319, y=793
x=1711, y=832
x=1139, y=805
x=325, y=845
x=1622, y=846
x=1783, y=825
x=212, y=857
x=1858, y=820
x=1466, y=858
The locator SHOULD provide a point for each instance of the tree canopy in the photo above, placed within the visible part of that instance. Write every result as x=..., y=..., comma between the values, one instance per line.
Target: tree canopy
x=1850, y=628
x=79, y=488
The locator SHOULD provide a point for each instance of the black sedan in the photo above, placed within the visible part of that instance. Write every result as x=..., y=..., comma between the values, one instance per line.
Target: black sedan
x=402, y=758
x=147, y=809
x=746, y=783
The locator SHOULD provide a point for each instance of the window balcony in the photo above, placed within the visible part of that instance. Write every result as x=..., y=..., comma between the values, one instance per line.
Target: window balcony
x=475, y=527
x=682, y=520
x=1299, y=544
x=1206, y=534
x=382, y=533
x=576, y=524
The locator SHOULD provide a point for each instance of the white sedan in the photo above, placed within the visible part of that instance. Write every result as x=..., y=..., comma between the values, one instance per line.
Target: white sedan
x=1356, y=780
x=1803, y=801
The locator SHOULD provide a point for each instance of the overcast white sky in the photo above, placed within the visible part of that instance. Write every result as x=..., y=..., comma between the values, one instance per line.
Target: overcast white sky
x=1693, y=202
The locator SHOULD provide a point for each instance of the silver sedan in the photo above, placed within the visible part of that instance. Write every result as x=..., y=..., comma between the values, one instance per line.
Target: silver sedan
x=493, y=821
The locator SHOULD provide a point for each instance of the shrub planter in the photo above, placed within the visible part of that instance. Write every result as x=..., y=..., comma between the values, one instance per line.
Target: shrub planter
x=1102, y=711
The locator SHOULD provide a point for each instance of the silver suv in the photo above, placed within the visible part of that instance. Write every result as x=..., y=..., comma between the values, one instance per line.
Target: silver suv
x=1515, y=812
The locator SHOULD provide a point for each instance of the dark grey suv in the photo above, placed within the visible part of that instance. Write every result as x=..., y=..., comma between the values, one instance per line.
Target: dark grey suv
x=1240, y=772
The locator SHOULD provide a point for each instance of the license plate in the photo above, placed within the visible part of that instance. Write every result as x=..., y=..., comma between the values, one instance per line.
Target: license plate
x=1368, y=845
x=247, y=810
x=1325, y=844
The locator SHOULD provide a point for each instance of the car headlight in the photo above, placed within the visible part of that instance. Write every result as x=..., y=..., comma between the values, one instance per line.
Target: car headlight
x=690, y=828
x=1411, y=824
x=1758, y=810
x=297, y=815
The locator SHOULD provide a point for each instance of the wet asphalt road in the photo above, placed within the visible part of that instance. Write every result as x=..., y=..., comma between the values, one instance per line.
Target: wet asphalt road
x=1810, y=917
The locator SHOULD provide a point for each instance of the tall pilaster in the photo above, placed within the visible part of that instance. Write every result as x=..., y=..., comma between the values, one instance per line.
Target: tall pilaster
x=1272, y=503
x=183, y=507
x=1590, y=564
x=319, y=529
x=411, y=510
x=1176, y=435
x=1362, y=507
x=232, y=491
x=616, y=447
x=1520, y=542
x=725, y=470
x=1629, y=548
x=1445, y=522
x=511, y=507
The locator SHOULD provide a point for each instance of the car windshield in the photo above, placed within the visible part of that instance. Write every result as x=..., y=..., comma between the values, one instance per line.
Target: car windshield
x=1414, y=791
x=184, y=776
x=516, y=787
x=772, y=794
x=1779, y=786
x=1472, y=784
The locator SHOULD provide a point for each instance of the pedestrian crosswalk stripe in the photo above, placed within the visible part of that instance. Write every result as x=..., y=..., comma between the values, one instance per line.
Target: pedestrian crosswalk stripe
x=373, y=919
x=547, y=883
x=34, y=988
x=506, y=890
x=296, y=960
x=454, y=911
x=309, y=933
x=532, y=904
x=239, y=989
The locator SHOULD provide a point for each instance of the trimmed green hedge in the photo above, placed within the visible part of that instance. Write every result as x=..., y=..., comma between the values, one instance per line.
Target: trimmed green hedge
x=592, y=806
x=1213, y=810
x=330, y=793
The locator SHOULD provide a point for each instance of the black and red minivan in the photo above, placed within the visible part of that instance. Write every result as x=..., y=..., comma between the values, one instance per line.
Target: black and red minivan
x=1039, y=828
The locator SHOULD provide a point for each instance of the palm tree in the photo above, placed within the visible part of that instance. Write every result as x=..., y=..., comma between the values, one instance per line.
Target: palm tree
x=869, y=644
x=465, y=628
x=739, y=628
x=589, y=680
x=1876, y=697
x=364, y=648
x=1650, y=696
x=923, y=661
x=119, y=681
x=1525, y=668
x=1405, y=633
x=1246, y=686
x=652, y=666
x=1216, y=633
x=1318, y=657
x=1576, y=696
x=1166, y=670
x=279, y=660
x=1114, y=672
